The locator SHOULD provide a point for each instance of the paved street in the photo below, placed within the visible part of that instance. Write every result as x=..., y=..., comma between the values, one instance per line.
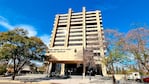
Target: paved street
x=41, y=79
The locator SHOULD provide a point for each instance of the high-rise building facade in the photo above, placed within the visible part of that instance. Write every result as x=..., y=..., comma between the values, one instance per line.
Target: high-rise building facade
x=72, y=33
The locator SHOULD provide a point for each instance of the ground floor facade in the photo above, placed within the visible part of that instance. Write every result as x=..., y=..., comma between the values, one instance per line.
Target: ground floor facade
x=73, y=69
x=66, y=61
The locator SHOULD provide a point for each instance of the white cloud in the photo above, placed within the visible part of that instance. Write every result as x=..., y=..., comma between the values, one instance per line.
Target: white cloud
x=46, y=39
x=31, y=30
x=3, y=19
x=7, y=25
x=4, y=23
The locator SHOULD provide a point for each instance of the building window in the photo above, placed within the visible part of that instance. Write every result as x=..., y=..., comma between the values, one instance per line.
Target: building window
x=76, y=44
x=61, y=29
x=96, y=54
x=76, y=24
x=75, y=31
x=59, y=36
x=76, y=28
x=91, y=20
x=88, y=16
x=58, y=44
x=59, y=40
x=90, y=13
x=59, y=32
x=91, y=30
x=91, y=27
x=100, y=22
x=73, y=17
x=63, y=22
x=92, y=43
x=76, y=20
x=62, y=16
x=61, y=25
x=74, y=14
x=91, y=23
x=75, y=39
x=90, y=39
x=75, y=35
x=92, y=35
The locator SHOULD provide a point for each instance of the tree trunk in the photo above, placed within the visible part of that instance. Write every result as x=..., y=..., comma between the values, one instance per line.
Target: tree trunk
x=140, y=70
x=20, y=67
x=13, y=77
x=113, y=72
x=14, y=69
x=84, y=69
x=145, y=66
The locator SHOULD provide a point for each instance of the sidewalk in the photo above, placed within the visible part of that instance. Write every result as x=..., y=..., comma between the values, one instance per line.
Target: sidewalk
x=73, y=80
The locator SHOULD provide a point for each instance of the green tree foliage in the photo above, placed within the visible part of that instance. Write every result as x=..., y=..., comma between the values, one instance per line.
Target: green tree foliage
x=16, y=45
x=2, y=69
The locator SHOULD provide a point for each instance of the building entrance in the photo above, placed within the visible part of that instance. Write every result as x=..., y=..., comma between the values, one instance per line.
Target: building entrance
x=76, y=69
x=73, y=69
x=99, y=69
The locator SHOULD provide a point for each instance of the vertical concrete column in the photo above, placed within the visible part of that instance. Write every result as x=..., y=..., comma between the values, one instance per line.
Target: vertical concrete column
x=100, y=36
x=104, y=71
x=49, y=67
x=68, y=27
x=54, y=31
x=67, y=39
x=62, y=69
x=84, y=27
x=99, y=31
x=101, y=44
x=84, y=36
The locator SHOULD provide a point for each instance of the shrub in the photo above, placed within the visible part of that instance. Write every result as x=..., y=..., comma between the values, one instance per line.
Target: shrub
x=2, y=69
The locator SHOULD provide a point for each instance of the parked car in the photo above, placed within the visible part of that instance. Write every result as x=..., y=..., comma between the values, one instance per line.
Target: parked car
x=8, y=74
x=146, y=79
x=134, y=76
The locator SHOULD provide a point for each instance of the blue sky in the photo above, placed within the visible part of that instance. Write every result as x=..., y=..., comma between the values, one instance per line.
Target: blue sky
x=37, y=16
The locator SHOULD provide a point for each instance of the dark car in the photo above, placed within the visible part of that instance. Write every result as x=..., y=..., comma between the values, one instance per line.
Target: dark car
x=58, y=76
x=8, y=74
x=146, y=79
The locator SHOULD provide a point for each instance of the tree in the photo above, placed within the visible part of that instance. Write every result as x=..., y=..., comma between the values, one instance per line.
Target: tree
x=88, y=60
x=33, y=68
x=2, y=69
x=114, y=47
x=17, y=46
x=137, y=43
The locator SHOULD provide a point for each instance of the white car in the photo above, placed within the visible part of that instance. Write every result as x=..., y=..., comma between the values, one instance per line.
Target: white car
x=134, y=76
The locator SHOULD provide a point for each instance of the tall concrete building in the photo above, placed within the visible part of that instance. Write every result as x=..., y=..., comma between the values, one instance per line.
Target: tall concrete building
x=72, y=33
